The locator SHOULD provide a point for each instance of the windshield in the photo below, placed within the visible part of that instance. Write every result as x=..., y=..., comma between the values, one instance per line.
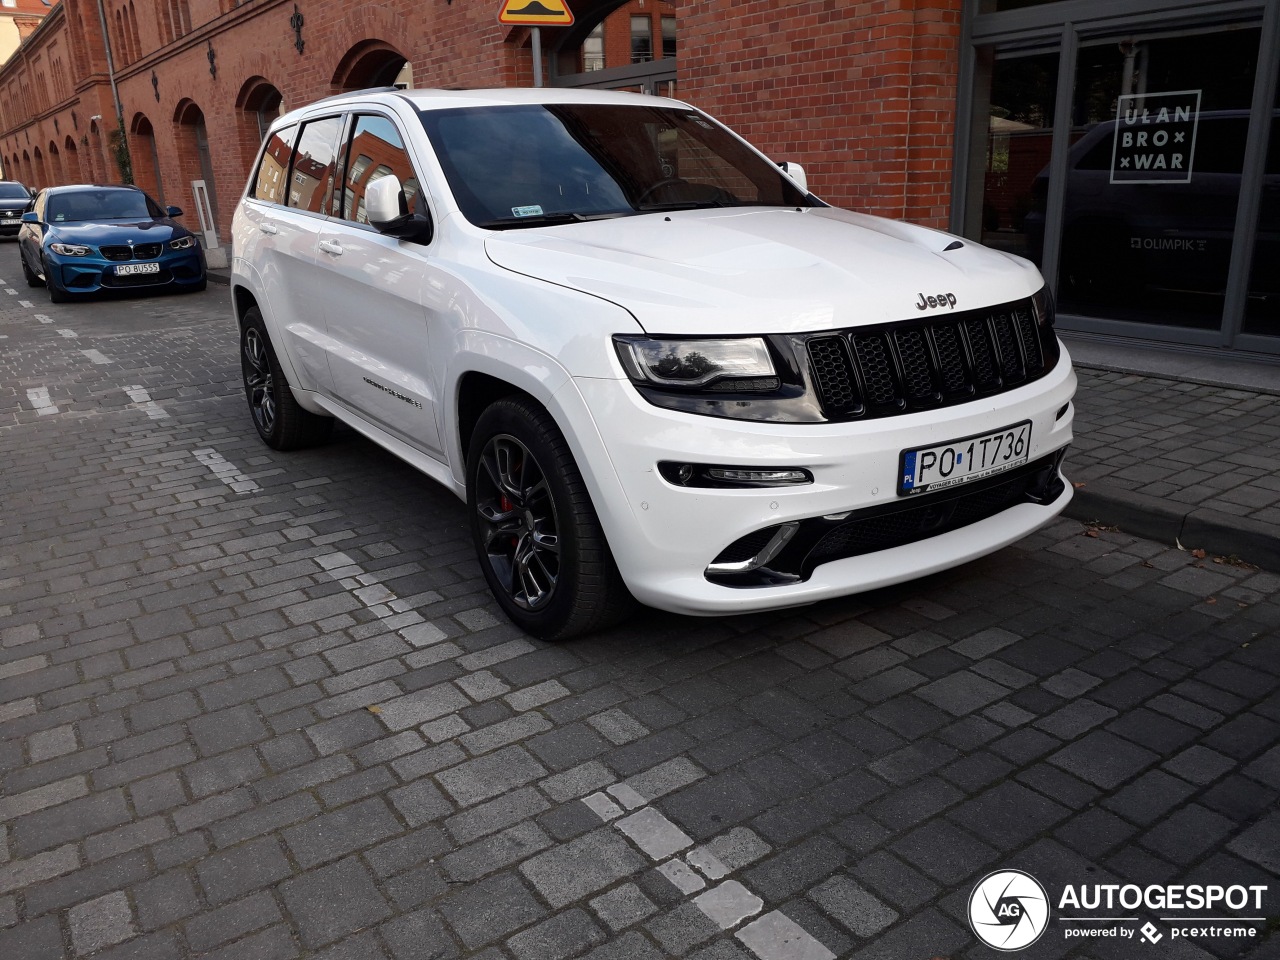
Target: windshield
x=13, y=191
x=530, y=165
x=82, y=205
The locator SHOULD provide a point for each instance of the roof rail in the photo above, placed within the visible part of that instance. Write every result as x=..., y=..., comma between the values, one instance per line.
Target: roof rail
x=352, y=93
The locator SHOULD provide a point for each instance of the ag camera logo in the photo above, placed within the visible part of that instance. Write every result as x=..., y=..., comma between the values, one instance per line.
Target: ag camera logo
x=1008, y=910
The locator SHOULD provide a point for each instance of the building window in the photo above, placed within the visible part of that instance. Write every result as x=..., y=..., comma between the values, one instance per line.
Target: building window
x=668, y=38
x=593, y=50
x=641, y=39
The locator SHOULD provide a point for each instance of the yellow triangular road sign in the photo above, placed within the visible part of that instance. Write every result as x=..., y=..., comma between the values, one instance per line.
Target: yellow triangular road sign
x=535, y=13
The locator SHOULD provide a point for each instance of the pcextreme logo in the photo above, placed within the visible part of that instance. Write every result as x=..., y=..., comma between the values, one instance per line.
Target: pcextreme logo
x=1008, y=910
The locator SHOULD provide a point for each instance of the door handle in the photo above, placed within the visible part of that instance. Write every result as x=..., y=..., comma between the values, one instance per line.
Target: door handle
x=269, y=228
x=331, y=246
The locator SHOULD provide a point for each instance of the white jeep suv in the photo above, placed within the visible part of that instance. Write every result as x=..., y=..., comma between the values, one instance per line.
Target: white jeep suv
x=651, y=362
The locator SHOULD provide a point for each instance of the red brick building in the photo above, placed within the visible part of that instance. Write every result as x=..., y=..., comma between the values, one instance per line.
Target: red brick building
x=850, y=90
x=992, y=118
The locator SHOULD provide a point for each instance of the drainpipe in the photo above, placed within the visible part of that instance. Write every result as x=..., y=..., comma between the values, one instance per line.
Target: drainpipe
x=111, y=69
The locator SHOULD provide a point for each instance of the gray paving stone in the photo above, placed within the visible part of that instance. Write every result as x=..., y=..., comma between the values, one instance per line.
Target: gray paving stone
x=581, y=867
x=333, y=901
x=623, y=906
x=100, y=923
x=563, y=935
x=1103, y=759
x=653, y=833
x=490, y=910
x=853, y=906
x=775, y=936
x=346, y=830
x=495, y=773
x=496, y=852
x=729, y=903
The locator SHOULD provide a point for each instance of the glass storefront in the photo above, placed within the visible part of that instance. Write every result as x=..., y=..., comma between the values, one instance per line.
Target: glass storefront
x=1262, y=312
x=1153, y=176
x=1114, y=155
x=1007, y=200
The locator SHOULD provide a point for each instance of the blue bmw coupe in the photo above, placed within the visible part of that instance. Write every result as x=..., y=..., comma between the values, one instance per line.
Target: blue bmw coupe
x=87, y=239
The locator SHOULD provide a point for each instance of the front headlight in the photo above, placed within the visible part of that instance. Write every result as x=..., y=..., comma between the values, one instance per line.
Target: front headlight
x=182, y=243
x=70, y=249
x=740, y=364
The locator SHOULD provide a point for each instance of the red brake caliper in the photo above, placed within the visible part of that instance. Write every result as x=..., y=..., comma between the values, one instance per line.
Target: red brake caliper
x=507, y=506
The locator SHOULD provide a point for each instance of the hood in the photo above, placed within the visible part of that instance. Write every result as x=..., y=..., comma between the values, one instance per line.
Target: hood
x=765, y=270
x=118, y=231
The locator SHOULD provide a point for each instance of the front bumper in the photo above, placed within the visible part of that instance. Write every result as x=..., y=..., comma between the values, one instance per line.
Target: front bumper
x=93, y=274
x=664, y=537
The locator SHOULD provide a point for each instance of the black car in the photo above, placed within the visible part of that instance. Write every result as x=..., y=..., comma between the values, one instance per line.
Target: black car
x=14, y=199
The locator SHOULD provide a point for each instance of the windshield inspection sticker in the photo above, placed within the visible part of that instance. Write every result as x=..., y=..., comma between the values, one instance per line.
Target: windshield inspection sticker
x=531, y=211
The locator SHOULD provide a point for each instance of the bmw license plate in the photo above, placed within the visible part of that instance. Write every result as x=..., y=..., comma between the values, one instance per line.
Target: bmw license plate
x=963, y=461
x=129, y=269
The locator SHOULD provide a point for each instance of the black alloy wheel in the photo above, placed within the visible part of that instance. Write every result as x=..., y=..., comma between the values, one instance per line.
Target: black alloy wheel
x=280, y=421
x=520, y=527
x=536, y=533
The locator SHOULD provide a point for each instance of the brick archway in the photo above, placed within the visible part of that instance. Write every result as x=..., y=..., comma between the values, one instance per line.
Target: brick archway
x=71, y=161
x=370, y=63
x=258, y=103
x=194, y=159
x=142, y=148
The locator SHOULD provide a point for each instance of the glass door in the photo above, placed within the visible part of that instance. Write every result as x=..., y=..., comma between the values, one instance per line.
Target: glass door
x=1157, y=143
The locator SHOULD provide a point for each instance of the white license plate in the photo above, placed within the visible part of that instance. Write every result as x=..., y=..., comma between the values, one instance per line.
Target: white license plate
x=963, y=461
x=129, y=269
x=10, y=223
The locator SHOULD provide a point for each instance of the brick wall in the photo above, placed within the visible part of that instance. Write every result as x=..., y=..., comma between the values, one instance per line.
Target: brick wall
x=861, y=92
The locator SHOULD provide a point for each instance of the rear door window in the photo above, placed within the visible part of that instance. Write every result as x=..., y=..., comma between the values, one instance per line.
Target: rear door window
x=273, y=170
x=314, y=161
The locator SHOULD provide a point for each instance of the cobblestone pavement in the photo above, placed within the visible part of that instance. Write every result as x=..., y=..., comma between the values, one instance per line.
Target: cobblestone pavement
x=256, y=705
x=1170, y=459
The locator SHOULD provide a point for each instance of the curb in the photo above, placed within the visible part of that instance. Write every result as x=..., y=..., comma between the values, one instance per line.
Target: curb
x=215, y=276
x=1217, y=533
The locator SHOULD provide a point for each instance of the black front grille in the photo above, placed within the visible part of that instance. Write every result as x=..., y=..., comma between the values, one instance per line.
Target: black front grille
x=820, y=540
x=898, y=368
x=141, y=251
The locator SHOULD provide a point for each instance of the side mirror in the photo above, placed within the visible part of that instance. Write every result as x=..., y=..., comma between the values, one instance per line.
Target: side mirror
x=30, y=217
x=173, y=211
x=388, y=211
x=796, y=173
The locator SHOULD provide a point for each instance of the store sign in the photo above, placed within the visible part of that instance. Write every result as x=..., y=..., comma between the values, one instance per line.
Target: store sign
x=1155, y=137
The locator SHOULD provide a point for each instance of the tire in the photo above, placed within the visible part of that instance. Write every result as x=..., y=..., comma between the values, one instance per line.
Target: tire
x=28, y=274
x=56, y=293
x=281, y=423
x=536, y=534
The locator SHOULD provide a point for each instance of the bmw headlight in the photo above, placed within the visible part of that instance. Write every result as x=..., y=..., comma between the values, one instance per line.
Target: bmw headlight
x=70, y=249
x=741, y=364
x=182, y=243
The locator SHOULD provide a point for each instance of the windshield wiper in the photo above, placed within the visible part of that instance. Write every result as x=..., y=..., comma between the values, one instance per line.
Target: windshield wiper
x=686, y=205
x=547, y=220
